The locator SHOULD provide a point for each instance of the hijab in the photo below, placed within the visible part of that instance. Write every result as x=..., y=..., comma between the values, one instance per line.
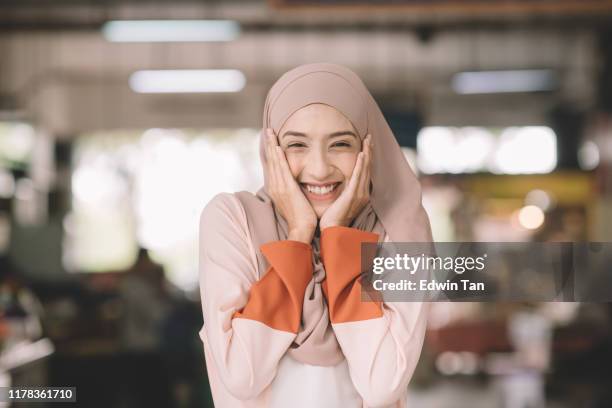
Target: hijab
x=394, y=210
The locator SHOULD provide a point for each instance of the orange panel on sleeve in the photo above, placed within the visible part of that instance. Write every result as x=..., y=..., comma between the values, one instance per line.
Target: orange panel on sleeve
x=276, y=300
x=341, y=253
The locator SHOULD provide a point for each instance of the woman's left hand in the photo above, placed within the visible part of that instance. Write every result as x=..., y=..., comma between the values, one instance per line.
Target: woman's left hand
x=356, y=194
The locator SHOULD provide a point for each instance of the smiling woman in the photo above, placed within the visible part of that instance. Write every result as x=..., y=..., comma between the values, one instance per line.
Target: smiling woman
x=284, y=319
x=320, y=156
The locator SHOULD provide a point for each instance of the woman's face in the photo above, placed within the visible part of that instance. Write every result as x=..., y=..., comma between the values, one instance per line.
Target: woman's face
x=321, y=146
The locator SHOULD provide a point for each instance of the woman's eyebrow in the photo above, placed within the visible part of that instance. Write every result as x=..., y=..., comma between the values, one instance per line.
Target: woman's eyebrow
x=335, y=134
x=294, y=133
x=343, y=133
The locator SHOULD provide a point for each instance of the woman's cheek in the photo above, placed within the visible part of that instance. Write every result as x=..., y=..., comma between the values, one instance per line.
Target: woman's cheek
x=295, y=163
x=347, y=163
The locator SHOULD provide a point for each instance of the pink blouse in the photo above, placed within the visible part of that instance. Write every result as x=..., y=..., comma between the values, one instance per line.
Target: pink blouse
x=250, y=322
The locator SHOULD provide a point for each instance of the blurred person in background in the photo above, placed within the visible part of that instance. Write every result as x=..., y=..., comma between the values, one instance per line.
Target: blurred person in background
x=20, y=327
x=530, y=333
x=284, y=323
x=145, y=307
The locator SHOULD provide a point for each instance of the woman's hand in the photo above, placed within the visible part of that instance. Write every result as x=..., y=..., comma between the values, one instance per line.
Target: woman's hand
x=356, y=194
x=286, y=194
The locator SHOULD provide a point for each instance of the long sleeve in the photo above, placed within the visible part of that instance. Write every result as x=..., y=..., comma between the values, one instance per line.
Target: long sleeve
x=249, y=323
x=381, y=341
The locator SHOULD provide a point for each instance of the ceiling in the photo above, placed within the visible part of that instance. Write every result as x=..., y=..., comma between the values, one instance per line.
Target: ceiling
x=261, y=15
x=57, y=67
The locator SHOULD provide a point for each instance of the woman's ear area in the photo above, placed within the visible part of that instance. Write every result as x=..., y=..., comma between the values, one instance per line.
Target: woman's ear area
x=275, y=133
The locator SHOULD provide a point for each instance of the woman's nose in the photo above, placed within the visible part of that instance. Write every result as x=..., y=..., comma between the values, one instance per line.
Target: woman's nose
x=318, y=165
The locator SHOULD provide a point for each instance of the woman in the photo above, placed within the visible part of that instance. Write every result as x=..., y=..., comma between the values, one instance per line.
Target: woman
x=284, y=324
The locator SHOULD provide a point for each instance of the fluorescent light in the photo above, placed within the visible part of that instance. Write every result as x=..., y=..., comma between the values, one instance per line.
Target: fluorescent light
x=486, y=82
x=525, y=150
x=170, y=30
x=454, y=150
x=513, y=150
x=187, y=81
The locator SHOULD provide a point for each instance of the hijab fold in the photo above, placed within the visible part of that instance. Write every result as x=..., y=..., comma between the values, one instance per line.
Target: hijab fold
x=394, y=210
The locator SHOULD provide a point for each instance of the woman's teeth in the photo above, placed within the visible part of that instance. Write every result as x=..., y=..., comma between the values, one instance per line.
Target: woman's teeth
x=321, y=190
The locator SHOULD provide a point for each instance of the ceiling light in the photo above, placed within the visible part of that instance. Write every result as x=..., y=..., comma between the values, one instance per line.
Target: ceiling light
x=170, y=30
x=187, y=81
x=487, y=82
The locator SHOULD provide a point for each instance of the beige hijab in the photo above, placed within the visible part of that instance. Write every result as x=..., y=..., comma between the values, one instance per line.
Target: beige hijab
x=395, y=206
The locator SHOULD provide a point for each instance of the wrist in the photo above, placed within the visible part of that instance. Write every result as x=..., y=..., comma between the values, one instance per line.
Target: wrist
x=302, y=235
x=327, y=224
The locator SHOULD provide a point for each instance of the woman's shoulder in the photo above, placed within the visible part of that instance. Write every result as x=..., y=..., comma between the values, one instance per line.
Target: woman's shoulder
x=222, y=202
x=224, y=214
x=224, y=237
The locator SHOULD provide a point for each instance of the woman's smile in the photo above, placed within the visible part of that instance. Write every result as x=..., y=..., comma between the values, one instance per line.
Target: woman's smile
x=321, y=192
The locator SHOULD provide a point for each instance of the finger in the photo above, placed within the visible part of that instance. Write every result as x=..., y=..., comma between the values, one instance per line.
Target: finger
x=279, y=158
x=278, y=170
x=368, y=167
x=364, y=145
x=272, y=160
x=266, y=146
x=266, y=137
x=368, y=181
x=284, y=169
x=274, y=137
x=354, y=181
x=268, y=150
x=364, y=178
x=270, y=141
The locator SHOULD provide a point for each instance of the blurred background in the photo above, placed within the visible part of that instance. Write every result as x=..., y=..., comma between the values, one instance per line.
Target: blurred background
x=119, y=120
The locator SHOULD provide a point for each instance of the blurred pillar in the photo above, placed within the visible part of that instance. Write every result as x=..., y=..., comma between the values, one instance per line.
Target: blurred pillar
x=601, y=135
x=604, y=97
x=36, y=242
x=568, y=123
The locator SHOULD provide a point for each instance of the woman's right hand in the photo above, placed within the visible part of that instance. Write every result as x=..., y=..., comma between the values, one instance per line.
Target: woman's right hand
x=286, y=194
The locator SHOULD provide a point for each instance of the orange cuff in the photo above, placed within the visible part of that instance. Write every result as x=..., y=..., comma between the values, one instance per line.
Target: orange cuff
x=276, y=300
x=341, y=253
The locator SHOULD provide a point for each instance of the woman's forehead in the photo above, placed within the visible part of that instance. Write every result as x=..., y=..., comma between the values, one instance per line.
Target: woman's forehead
x=318, y=119
x=317, y=113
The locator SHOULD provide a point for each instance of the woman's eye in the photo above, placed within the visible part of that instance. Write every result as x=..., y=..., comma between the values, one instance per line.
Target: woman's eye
x=296, y=145
x=342, y=144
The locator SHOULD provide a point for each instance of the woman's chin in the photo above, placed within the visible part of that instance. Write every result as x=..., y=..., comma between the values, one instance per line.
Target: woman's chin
x=320, y=212
x=320, y=208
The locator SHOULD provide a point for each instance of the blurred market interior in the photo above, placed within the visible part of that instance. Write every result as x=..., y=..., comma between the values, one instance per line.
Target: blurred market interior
x=119, y=120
